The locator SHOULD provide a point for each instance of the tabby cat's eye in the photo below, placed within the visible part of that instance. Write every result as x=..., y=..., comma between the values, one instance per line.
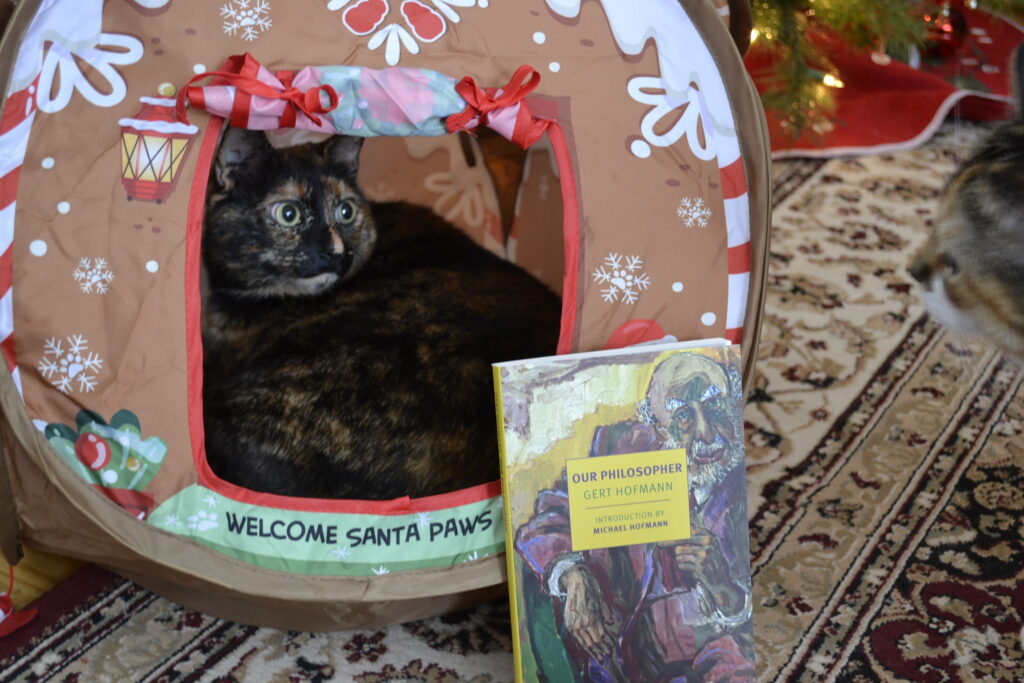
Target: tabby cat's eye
x=287, y=214
x=346, y=212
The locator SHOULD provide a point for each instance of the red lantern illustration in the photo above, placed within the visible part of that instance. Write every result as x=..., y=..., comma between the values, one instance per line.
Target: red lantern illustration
x=153, y=147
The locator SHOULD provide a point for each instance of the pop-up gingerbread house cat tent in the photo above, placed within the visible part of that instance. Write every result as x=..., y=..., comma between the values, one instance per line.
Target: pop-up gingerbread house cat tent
x=643, y=201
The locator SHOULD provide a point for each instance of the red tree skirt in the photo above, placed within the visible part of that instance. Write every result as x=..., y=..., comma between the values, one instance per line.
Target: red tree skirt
x=886, y=105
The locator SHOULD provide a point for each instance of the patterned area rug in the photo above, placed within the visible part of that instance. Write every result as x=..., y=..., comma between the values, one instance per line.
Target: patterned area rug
x=885, y=454
x=887, y=489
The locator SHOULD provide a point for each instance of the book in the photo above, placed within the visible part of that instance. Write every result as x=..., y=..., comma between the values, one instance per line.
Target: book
x=624, y=482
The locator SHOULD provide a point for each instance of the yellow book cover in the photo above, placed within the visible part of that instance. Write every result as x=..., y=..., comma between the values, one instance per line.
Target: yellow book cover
x=625, y=510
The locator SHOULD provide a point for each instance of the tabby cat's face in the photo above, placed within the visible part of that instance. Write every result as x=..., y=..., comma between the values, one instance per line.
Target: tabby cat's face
x=971, y=268
x=288, y=222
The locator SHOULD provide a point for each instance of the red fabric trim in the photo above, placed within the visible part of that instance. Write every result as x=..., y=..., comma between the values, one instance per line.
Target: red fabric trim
x=18, y=107
x=194, y=341
x=193, y=296
x=739, y=259
x=570, y=235
x=193, y=334
x=396, y=506
x=7, y=347
x=6, y=272
x=6, y=280
x=734, y=180
x=734, y=334
x=9, y=188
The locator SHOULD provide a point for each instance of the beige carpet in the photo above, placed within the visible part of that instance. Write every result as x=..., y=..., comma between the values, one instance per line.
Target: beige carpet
x=887, y=489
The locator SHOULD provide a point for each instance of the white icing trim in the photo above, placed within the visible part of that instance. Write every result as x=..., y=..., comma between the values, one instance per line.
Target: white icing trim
x=159, y=126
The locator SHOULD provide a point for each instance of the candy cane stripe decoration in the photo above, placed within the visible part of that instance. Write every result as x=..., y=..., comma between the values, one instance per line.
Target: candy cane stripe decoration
x=15, y=125
x=737, y=218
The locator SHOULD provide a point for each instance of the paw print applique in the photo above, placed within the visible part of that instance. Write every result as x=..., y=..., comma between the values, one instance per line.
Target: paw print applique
x=203, y=521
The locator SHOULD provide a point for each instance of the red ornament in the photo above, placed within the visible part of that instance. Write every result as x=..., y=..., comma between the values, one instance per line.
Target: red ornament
x=947, y=31
x=93, y=450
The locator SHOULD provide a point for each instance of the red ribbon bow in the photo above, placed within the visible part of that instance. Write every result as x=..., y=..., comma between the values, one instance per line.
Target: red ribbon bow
x=481, y=101
x=239, y=71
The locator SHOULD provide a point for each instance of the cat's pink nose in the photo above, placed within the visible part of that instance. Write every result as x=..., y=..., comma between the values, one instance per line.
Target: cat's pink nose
x=337, y=245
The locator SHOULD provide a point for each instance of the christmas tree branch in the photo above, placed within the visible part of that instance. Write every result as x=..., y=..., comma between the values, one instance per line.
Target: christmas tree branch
x=796, y=87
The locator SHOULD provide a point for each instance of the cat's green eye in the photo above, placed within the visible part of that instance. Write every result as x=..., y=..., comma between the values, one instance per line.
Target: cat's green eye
x=346, y=212
x=287, y=214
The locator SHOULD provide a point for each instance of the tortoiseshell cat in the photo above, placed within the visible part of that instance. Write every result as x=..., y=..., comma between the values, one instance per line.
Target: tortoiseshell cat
x=348, y=343
x=971, y=268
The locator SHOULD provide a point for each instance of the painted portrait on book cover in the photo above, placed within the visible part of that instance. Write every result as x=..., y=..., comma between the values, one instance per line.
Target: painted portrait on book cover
x=674, y=610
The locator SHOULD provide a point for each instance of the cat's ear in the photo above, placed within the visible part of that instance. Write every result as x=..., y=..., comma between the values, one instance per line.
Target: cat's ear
x=344, y=151
x=239, y=148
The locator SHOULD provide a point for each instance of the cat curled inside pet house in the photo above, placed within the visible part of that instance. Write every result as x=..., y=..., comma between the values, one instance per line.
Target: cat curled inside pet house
x=347, y=343
x=971, y=267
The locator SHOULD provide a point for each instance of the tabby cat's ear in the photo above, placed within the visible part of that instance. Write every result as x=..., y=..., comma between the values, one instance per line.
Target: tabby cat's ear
x=239, y=148
x=344, y=151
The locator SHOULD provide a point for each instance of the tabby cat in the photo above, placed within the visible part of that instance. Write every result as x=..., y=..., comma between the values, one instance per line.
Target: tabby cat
x=971, y=268
x=348, y=343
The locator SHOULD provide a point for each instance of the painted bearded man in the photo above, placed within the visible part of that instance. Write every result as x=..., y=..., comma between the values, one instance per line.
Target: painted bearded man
x=675, y=611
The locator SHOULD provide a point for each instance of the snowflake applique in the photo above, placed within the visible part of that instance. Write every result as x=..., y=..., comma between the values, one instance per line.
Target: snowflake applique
x=211, y=501
x=423, y=519
x=172, y=521
x=93, y=275
x=66, y=365
x=624, y=278
x=247, y=18
x=694, y=212
x=341, y=551
x=381, y=570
